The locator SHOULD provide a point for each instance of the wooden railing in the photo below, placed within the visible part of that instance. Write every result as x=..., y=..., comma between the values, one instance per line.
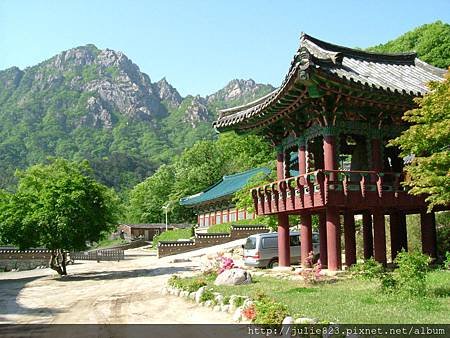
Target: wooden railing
x=318, y=188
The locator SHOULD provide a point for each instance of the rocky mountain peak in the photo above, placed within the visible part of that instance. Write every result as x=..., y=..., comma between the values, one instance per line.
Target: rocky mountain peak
x=168, y=93
x=197, y=111
x=238, y=89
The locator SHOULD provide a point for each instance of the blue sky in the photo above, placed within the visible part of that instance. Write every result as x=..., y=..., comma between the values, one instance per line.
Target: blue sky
x=201, y=45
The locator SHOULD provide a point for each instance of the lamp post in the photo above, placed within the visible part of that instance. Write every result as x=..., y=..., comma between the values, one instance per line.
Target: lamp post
x=166, y=209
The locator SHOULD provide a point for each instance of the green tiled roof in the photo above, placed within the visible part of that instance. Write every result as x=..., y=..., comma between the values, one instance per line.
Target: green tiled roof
x=228, y=185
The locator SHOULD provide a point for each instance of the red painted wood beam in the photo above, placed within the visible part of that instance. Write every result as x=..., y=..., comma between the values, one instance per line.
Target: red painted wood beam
x=428, y=229
x=302, y=159
x=350, y=239
x=306, y=245
x=333, y=239
x=284, y=254
x=379, y=236
x=323, y=239
x=367, y=235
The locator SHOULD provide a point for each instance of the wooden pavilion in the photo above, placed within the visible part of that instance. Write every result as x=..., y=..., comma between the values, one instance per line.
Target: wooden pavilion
x=330, y=122
x=215, y=204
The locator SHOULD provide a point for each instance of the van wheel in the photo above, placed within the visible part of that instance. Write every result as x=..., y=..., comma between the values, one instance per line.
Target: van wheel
x=273, y=263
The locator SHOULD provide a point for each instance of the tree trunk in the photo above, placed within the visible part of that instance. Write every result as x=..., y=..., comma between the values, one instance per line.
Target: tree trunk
x=57, y=262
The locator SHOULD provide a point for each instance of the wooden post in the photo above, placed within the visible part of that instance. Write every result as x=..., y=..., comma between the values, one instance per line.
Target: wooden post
x=280, y=165
x=284, y=254
x=301, y=159
x=379, y=237
x=323, y=239
x=428, y=229
x=367, y=235
x=305, y=238
x=333, y=239
x=329, y=154
x=350, y=240
x=403, y=233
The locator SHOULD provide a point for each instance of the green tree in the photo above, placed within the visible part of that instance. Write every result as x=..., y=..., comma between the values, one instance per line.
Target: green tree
x=428, y=139
x=59, y=206
x=431, y=42
x=147, y=198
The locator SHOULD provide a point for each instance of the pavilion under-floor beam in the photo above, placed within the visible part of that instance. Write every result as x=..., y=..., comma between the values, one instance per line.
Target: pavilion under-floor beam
x=333, y=239
x=305, y=238
x=428, y=229
x=350, y=239
x=284, y=254
x=367, y=234
x=379, y=237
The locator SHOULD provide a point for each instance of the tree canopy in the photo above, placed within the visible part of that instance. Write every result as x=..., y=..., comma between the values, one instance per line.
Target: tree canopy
x=194, y=170
x=431, y=42
x=59, y=206
x=428, y=139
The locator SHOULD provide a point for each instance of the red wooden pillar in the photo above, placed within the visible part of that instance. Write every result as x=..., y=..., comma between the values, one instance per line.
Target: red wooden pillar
x=350, y=239
x=305, y=238
x=379, y=237
x=428, y=229
x=377, y=162
x=367, y=235
x=403, y=233
x=394, y=220
x=280, y=165
x=333, y=239
x=329, y=153
x=302, y=159
x=284, y=254
x=323, y=239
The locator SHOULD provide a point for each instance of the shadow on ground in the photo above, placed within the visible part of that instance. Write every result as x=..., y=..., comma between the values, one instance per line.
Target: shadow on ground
x=123, y=274
x=9, y=295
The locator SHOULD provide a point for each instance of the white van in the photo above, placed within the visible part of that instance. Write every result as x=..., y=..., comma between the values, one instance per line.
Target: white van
x=261, y=250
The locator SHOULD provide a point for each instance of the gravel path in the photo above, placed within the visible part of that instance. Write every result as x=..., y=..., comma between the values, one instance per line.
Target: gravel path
x=106, y=292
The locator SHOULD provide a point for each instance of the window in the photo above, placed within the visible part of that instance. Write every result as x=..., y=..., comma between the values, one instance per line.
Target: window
x=241, y=215
x=206, y=220
x=294, y=240
x=270, y=242
x=249, y=215
x=201, y=221
x=232, y=215
x=224, y=216
x=218, y=218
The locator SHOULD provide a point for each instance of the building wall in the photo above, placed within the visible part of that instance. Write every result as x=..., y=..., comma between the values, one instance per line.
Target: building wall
x=206, y=219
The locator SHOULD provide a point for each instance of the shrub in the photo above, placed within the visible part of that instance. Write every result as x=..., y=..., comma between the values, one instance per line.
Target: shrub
x=187, y=284
x=268, y=311
x=249, y=312
x=208, y=295
x=411, y=273
x=226, y=300
x=447, y=260
x=368, y=270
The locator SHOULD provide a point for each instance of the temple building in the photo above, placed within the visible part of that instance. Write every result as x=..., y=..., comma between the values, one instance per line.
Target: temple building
x=215, y=205
x=330, y=121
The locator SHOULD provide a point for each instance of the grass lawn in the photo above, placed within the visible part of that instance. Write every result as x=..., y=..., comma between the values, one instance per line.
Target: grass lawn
x=351, y=300
x=172, y=235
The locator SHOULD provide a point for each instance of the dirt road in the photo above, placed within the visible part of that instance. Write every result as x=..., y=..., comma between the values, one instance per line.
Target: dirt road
x=105, y=292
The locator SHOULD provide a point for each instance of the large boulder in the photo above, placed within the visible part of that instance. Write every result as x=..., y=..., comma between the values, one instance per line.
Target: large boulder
x=233, y=277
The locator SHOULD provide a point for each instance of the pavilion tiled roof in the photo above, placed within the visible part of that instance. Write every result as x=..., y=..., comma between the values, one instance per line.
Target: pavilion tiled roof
x=398, y=74
x=227, y=186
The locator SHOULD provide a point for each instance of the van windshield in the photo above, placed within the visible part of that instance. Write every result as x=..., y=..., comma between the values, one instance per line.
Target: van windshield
x=250, y=243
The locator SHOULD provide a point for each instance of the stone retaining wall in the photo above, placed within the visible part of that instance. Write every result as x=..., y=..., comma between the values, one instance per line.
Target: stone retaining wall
x=23, y=260
x=204, y=240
